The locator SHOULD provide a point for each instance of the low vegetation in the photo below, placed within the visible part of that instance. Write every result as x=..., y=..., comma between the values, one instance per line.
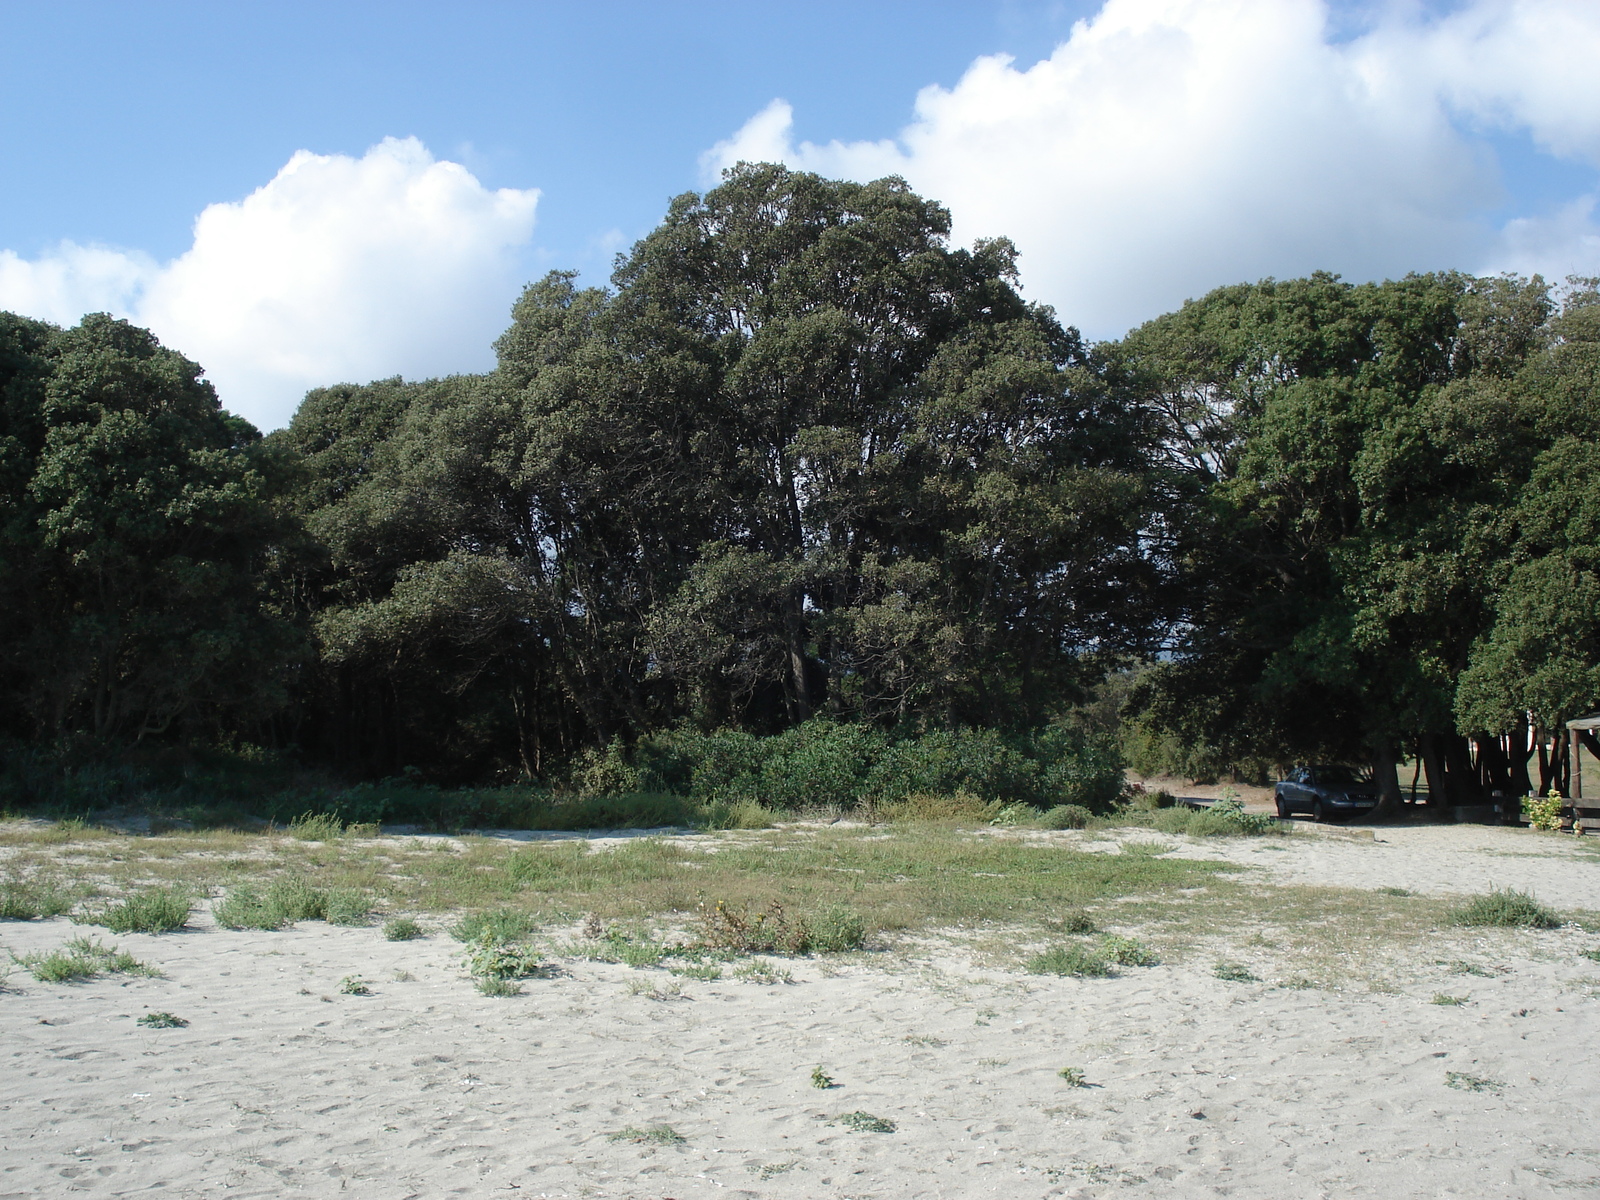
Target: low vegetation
x=1508, y=908
x=148, y=910
x=81, y=959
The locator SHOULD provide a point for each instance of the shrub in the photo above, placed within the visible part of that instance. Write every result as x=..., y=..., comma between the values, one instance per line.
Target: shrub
x=347, y=906
x=929, y=808
x=246, y=908
x=152, y=910
x=1506, y=908
x=1126, y=951
x=316, y=827
x=1066, y=816
x=499, y=925
x=1543, y=812
x=296, y=899
x=836, y=929
x=774, y=930
x=28, y=899
x=1070, y=960
x=80, y=959
x=402, y=929
x=489, y=959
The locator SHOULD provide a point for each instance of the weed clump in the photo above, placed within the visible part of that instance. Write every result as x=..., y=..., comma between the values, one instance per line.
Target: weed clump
x=1507, y=908
x=401, y=929
x=774, y=930
x=1463, y=1082
x=347, y=906
x=1066, y=816
x=29, y=899
x=1127, y=952
x=1234, y=973
x=316, y=827
x=1079, y=961
x=863, y=1122
x=1074, y=1076
x=821, y=1079
x=1448, y=1001
x=153, y=910
x=354, y=985
x=162, y=1020
x=496, y=925
x=80, y=959
x=656, y=1135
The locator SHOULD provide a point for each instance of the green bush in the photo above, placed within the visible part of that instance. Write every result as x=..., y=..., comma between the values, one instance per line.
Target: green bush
x=501, y=925
x=837, y=929
x=401, y=929
x=347, y=906
x=244, y=907
x=29, y=899
x=1506, y=908
x=1070, y=960
x=1066, y=816
x=151, y=910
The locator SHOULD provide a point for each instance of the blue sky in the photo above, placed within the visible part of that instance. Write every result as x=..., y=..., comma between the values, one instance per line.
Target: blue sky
x=1159, y=149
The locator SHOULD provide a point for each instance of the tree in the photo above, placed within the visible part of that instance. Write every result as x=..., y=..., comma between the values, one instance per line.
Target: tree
x=139, y=519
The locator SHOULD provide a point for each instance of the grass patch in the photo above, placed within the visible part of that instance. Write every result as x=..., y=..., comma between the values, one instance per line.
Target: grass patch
x=760, y=971
x=1591, y=955
x=1234, y=972
x=1507, y=908
x=347, y=906
x=152, y=910
x=1393, y=891
x=1079, y=961
x=316, y=827
x=30, y=899
x=704, y=972
x=501, y=925
x=401, y=929
x=775, y=930
x=656, y=1135
x=162, y=1020
x=1463, y=1082
x=863, y=1122
x=1448, y=1001
x=81, y=959
x=491, y=986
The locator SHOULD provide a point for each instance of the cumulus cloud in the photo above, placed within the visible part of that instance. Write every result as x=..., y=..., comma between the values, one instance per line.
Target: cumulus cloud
x=339, y=268
x=1168, y=146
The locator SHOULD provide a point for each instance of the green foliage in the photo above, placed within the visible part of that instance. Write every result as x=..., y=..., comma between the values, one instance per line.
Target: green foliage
x=149, y=910
x=863, y=1122
x=316, y=827
x=162, y=1020
x=1234, y=973
x=354, y=985
x=288, y=898
x=28, y=899
x=774, y=929
x=1126, y=951
x=1070, y=960
x=1066, y=816
x=492, y=959
x=81, y=959
x=656, y=1135
x=821, y=1079
x=1074, y=1076
x=402, y=929
x=1447, y=1001
x=501, y=926
x=1464, y=1082
x=1508, y=908
x=1543, y=812
x=347, y=906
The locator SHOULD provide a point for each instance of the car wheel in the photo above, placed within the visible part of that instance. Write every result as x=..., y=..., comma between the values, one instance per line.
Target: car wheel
x=1317, y=813
x=1283, y=810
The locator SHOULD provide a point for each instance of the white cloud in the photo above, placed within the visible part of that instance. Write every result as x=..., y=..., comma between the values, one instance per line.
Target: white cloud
x=1169, y=146
x=338, y=269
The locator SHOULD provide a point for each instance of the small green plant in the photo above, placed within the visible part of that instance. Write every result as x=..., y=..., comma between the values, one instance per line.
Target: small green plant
x=863, y=1122
x=244, y=907
x=162, y=1020
x=640, y=954
x=1591, y=955
x=29, y=899
x=1393, y=891
x=836, y=929
x=1463, y=1082
x=316, y=827
x=401, y=929
x=347, y=906
x=1543, y=812
x=354, y=985
x=1078, y=961
x=297, y=899
x=1126, y=951
x=656, y=1135
x=1460, y=967
x=1507, y=908
x=1074, y=1077
x=705, y=972
x=758, y=970
x=80, y=959
x=1075, y=922
x=492, y=986
x=151, y=910
x=1065, y=816
x=498, y=925
x=1234, y=973
x=821, y=1079
x=1448, y=1001
x=490, y=959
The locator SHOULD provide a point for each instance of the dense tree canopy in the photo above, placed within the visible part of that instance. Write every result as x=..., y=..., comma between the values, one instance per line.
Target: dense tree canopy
x=804, y=461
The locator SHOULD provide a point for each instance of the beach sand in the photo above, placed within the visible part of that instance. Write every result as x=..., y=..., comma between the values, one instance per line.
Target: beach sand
x=281, y=1085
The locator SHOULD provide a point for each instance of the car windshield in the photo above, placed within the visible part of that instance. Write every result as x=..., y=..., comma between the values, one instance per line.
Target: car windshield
x=1340, y=775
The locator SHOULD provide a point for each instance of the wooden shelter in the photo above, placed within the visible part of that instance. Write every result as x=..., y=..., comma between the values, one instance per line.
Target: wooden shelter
x=1582, y=815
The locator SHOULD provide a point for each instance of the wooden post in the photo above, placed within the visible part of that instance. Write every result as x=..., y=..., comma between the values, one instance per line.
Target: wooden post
x=1577, y=767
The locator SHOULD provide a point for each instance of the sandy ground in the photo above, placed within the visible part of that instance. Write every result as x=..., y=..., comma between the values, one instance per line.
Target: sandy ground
x=282, y=1086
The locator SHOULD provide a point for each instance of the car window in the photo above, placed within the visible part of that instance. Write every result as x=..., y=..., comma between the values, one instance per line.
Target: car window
x=1338, y=775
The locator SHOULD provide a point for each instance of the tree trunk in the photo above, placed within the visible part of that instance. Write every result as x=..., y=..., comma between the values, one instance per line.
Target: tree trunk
x=1387, y=779
x=1433, y=762
x=1521, y=751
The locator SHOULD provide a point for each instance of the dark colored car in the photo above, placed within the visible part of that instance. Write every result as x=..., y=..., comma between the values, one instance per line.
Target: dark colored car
x=1327, y=793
